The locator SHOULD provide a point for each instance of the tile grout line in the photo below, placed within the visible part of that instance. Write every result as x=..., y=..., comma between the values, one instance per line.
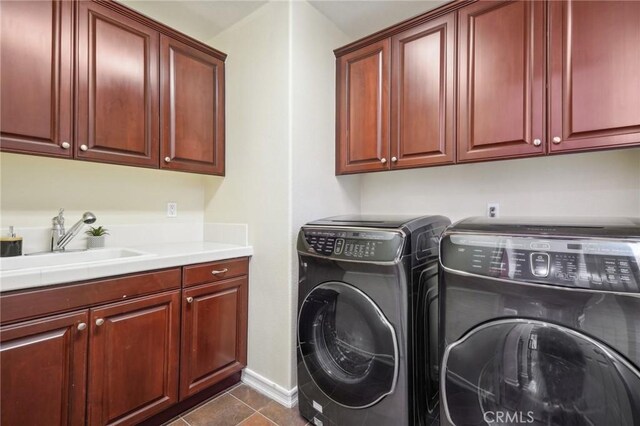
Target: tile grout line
x=203, y=403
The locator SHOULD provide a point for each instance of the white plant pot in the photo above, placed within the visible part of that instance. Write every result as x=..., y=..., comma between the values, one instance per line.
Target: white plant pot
x=95, y=242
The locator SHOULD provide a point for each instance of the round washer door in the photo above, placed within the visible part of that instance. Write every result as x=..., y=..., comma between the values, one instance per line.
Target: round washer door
x=347, y=345
x=536, y=373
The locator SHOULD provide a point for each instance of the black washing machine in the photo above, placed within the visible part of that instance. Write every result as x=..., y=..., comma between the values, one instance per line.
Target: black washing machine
x=540, y=322
x=367, y=320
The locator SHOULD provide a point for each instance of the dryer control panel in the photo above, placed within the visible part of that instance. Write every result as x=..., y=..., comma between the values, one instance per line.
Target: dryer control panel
x=355, y=245
x=594, y=264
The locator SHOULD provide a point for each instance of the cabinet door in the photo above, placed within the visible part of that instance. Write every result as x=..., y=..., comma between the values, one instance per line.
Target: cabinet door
x=35, y=83
x=133, y=359
x=192, y=99
x=43, y=376
x=422, y=99
x=362, y=139
x=594, y=83
x=214, y=334
x=501, y=80
x=117, y=88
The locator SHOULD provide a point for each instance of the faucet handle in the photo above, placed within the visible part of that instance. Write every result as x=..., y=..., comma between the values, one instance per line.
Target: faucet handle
x=60, y=218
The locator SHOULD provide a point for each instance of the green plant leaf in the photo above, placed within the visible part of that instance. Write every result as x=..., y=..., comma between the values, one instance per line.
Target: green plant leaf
x=97, y=231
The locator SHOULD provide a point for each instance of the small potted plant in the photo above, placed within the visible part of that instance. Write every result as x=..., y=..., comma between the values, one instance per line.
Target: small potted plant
x=96, y=236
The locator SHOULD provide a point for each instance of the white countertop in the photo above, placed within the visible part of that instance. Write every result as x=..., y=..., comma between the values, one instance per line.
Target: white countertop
x=158, y=256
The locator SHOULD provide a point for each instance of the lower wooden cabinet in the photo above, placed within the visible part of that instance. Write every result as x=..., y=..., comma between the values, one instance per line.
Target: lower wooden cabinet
x=214, y=334
x=43, y=371
x=115, y=361
x=133, y=359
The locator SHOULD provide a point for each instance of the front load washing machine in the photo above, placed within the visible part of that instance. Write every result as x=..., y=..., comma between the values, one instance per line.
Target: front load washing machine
x=540, y=322
x=367, y=320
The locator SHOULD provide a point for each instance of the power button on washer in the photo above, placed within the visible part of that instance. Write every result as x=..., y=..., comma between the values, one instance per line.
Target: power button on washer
x=540, y=264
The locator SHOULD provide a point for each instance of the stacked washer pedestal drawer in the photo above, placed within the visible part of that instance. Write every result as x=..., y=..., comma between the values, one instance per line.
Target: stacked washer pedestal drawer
x=367, y=320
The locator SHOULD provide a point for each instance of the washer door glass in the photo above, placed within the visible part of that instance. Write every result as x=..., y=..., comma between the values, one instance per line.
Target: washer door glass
x=347, y=345
x=530, y=372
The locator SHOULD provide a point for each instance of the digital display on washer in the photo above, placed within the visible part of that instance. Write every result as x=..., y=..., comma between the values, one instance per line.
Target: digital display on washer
x=379, y=246
x=605, y=265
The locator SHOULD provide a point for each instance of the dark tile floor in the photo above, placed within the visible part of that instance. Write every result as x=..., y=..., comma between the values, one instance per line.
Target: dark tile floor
x=240, y=405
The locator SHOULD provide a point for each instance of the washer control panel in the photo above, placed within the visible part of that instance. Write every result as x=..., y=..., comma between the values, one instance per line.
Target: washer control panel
x=602, y=264
x=365, y=245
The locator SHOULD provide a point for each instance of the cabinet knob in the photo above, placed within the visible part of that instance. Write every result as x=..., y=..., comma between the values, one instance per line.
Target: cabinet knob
x=222, y=271
x=537, y=142
x=189, y=299
x=83, y=147
x=394, y=159
x=82, y=326
x=167, y=159
x=99, y=322
x=65, y=145
x=383, y=160
x=556, y=139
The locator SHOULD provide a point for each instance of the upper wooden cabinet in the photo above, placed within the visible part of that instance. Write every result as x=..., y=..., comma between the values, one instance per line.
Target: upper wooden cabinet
x=363, y=109
x=36, y=41
x=145, y=95
x=422, y=94
x=192, y=99
x=43, y=373
x=594, y=74
x=501, y=72
x=117, y=98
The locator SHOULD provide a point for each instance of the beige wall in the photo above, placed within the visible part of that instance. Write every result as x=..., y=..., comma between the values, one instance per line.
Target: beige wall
x=256, y=188
x=33, y=188
x=588, y=184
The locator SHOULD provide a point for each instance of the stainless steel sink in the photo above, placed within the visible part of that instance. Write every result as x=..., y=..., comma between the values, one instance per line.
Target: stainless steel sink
x=69, y=258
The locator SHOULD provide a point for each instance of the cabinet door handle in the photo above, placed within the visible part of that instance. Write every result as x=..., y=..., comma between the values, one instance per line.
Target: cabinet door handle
x=167, y=159
x=65, y=145
x=394, y=159
x=82, y=326
x=557, y=140
x=537, y=142
x=83, y=147
x=383, y=160
x=99, y=322
x=222, y=271
x=189, y=299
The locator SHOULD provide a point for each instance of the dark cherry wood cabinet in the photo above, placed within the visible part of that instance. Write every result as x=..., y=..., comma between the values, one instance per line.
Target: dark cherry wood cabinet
x=95, y=80
x=117, y=94
x=43, y=371
x=363, y=109
x=123, y=349
x=214, y=333
x=501, y=77
x=422, y=95
x=133, y=359
x=36, y=90
x=594, y=75
x=192, y=101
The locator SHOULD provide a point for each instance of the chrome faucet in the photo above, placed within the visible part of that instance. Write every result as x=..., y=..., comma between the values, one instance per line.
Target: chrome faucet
x=60, y=238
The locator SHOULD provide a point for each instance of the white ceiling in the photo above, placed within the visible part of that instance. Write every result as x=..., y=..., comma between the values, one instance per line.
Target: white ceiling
x=204, y=19
x=359, y=18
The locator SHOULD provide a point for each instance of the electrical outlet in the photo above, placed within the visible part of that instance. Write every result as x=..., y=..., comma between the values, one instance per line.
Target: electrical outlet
x=172, y=209
x=493, y=209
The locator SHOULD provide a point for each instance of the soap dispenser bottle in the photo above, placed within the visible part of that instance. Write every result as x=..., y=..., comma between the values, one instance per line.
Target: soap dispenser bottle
x=10, y=245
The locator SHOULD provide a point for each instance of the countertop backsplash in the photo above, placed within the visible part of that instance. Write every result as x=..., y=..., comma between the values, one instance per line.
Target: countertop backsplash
x=38, y=239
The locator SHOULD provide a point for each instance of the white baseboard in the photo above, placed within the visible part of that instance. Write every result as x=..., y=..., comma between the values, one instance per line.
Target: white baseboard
x=286, y=397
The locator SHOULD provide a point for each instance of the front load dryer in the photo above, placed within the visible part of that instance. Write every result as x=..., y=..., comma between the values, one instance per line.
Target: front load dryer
x=367, y=320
